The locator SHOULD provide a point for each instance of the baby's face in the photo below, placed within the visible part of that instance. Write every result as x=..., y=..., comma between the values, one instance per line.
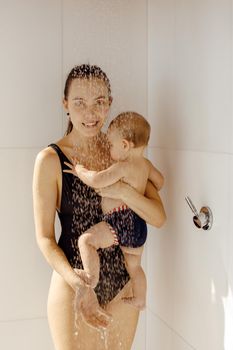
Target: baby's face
x=117, y=149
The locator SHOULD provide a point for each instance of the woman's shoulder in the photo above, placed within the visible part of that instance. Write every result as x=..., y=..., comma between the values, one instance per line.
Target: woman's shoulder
x=47, y=159
x=47, y=154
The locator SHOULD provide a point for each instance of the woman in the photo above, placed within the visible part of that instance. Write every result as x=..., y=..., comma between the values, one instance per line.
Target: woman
x=87, y=100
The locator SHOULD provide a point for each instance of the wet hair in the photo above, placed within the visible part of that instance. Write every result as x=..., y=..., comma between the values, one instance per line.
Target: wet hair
x=84, y=71
x=133, y=127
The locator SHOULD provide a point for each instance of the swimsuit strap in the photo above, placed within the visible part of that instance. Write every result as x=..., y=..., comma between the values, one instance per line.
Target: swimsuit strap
x=61, y=155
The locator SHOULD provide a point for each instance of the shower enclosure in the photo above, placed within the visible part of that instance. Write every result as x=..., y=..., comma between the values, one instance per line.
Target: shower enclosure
x=172, y=62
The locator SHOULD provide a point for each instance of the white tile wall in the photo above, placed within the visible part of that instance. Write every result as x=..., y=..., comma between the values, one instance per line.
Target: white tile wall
x=40, y=42
x=228, y=297
x=190, y=265
x=181, y=64
x=140, y=336
x=190, y=109
x=30, y=70
x=178, y=343
x=113, y=36
x=161, y=336
x=190, y=74
x=25, y=334
x=23, y=269
x=158, y=333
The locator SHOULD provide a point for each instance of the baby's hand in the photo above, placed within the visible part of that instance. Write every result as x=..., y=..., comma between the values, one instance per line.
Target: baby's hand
x=79, y=168
x=74, y=169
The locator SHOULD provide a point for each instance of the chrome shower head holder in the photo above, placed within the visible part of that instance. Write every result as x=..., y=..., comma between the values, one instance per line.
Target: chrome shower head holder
x=202, y=220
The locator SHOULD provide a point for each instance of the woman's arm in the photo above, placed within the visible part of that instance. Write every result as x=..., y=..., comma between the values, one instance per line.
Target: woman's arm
x=148, y=206
x=155, y=176
x=45, y=192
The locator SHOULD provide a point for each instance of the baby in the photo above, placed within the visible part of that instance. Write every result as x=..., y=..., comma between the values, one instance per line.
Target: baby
x=128, y=135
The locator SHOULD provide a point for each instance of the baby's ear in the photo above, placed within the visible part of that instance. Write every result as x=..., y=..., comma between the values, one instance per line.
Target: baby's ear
x=110, y=100
x=127, y=144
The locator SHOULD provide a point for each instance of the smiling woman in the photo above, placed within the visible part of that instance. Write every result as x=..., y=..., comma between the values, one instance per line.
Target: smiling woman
x=91, y=92
x=90, y=107
x=87, y=100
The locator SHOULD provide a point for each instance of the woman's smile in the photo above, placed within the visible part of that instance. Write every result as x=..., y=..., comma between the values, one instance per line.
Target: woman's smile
x=90, y=125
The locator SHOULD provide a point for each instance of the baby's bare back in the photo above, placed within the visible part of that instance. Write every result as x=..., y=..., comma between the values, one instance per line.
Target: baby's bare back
x=135, y=173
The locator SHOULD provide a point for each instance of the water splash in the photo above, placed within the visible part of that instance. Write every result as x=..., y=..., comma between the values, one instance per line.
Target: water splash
x=87, y=212
x=103, y=337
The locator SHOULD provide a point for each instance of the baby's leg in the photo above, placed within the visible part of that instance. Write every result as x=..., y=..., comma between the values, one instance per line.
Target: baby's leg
x=137, y=275
x=98, y=236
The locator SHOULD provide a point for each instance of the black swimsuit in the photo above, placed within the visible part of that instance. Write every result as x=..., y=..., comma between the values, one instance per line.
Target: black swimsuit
x=81, y=209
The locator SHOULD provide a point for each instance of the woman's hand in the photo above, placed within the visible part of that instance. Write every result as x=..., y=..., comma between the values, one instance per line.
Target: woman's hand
x=91, y=312
x=148, y=206
x=86, y=303
x=115, y=191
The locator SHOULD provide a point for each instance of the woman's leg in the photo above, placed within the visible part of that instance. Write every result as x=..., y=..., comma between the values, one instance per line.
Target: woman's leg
x=68, y=330
x=118, y=336
x=97, y=236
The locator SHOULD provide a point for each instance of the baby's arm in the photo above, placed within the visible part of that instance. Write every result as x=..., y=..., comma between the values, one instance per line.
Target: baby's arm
x=155, y=176
x=97, y=179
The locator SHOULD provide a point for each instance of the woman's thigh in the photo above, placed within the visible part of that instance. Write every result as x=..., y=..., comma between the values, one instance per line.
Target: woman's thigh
x=120, y=334
x=68, y=333
x=71, y=334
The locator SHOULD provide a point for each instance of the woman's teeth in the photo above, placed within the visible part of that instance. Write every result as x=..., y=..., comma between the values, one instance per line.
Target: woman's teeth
x=90, y=125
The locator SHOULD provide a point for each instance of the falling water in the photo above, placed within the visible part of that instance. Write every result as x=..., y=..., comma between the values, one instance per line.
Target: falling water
x=86, y=213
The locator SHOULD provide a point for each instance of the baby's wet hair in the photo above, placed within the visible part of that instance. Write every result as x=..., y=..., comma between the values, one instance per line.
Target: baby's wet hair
x=133, y=127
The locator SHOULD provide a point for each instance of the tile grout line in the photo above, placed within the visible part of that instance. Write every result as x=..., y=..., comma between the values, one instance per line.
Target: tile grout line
x=191, y=150
x=23, y=319
x=172, y=329
x=147, y=113
x=149, y=148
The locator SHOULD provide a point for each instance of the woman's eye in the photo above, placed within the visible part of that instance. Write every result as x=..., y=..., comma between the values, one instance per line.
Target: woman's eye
x=79, y=103
x=100, y=102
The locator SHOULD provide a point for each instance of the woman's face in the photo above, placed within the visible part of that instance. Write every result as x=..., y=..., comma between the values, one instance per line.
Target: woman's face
x=88, y=104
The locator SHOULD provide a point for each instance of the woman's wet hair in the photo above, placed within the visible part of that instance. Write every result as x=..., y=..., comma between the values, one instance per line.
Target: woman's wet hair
x=132, y=127
x=84, y=71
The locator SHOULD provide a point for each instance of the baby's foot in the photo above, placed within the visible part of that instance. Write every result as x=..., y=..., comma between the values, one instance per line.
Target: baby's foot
x=138, y=303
